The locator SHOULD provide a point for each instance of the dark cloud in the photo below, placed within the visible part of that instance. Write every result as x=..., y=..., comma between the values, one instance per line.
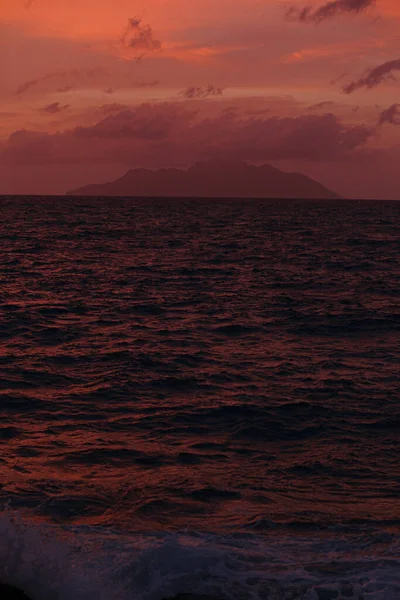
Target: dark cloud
x=55, y=107
x=308, y=14
x=54, y=79
x=144, y=122
x=28, y=3
x=28, y=147
x=156, y=135
x=139, y=37
x=201, y=92
x=390, y=115
x=374, y=76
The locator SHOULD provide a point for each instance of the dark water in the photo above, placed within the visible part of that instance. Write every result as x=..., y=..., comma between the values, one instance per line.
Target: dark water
x=200, y=397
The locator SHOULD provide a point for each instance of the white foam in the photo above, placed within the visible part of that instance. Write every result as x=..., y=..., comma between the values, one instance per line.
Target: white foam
x=36, y=560
x=76, y=563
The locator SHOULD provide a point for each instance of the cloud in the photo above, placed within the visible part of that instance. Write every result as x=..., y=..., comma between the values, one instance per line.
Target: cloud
x=7, y=114
x=322, y=105
x=24, y=87
x=327, y=11
x=201, y=92
x=66, y=88
x=55, y=107
x=390, y=115
x=137, y=84
x=108, y=109
x=255, y=112
x=28, y=3
x=81, y=76
x=28, y=147
x=146, y=122
x=374, y=76
x=339, y=109
x=168, y=134
x=137, y=36
x=144, y=84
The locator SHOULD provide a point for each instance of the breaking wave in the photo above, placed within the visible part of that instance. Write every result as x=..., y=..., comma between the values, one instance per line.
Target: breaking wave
x=83, y=562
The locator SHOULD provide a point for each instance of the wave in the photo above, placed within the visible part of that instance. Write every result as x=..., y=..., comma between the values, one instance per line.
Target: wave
x=83, y=562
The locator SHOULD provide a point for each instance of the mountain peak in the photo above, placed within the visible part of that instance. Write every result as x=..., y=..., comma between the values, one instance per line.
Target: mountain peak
x=212, y=179
x=219, y=163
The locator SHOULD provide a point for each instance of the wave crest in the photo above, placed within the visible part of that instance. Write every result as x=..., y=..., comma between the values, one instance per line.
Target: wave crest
x=82, y=562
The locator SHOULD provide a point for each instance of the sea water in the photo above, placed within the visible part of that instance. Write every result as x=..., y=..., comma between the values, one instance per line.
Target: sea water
x=200, y=397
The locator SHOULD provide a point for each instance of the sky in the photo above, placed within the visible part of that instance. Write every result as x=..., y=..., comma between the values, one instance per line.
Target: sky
x=92, y=88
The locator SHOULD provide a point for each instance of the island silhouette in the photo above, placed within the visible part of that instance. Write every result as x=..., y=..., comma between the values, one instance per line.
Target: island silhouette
x=211, y=179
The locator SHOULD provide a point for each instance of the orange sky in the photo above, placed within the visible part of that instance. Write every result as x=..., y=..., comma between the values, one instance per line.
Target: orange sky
x=61, y=62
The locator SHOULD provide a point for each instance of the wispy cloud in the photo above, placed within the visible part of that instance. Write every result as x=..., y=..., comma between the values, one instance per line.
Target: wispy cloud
x=66, y=88
x=108, y=109
x=201, y=92
x=322, y=105
x=24, y=87
x=54, y=79
x=54, y=108
x=390, y=115
x=374, y=76
x=329, y=10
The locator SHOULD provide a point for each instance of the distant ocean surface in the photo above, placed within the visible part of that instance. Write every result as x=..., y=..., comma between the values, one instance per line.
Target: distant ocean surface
x=200, y=397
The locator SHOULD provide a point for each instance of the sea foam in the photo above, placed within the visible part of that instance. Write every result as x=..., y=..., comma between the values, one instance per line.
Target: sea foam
x=83, y=562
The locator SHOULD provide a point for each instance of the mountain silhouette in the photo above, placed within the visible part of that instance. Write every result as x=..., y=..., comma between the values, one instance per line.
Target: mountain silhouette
x=211, y=179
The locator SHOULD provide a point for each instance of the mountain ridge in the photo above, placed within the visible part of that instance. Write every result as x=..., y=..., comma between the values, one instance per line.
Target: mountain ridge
x=211, y=179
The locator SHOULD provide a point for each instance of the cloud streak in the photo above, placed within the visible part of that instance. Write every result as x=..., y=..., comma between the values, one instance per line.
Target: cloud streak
x=374, y=76
x=54, y=108
x=327, y=11
x=201, y=92
x=390, y=115
x=57, y=78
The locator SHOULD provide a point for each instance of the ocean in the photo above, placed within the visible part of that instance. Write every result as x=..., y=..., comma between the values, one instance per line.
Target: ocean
x=200, y=398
